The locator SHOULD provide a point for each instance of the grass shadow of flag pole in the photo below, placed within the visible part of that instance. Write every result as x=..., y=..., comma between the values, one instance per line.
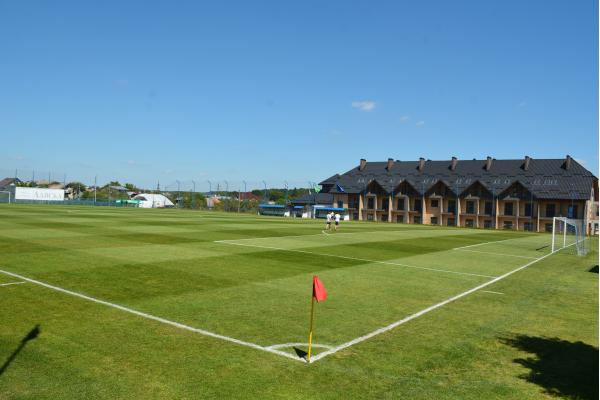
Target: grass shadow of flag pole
x=319, y=294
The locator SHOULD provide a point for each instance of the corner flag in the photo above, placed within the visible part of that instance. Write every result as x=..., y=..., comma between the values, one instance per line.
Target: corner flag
x=319, y=294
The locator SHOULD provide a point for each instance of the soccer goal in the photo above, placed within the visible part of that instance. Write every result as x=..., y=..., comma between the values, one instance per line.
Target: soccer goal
x=569, y=233
x=5, y=196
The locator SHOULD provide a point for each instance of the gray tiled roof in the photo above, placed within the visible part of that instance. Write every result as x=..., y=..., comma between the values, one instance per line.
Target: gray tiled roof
x=544, y=178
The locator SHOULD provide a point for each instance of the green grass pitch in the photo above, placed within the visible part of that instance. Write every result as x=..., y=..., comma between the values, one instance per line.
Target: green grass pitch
x=174, y=304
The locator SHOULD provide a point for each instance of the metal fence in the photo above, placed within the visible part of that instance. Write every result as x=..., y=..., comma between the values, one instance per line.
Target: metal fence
x=239, y=195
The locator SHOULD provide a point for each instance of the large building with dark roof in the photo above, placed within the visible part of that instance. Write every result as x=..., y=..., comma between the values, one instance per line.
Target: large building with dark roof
x=522, y=194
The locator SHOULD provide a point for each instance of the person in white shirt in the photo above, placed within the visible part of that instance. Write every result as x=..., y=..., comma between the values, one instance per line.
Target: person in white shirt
x=337, y=220
x=329, y=218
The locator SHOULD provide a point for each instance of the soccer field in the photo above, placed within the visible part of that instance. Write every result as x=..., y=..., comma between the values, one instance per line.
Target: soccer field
x=135, y=303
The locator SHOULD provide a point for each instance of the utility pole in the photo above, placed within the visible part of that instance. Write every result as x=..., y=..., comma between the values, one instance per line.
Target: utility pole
x=95, y=187
x=178, y=195
x=265, y=195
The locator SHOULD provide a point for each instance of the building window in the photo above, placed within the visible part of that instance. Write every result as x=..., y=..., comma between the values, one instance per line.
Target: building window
x=488, y=208
x=508, y=225
x=401, y=204
x=384, y=217
x=370, y=203
x=550, y=211
x=469, y=223
x=340, y=204
x=451, y=222
x=572, y=211
x=528, y=226
x=416, y=219
x=434, y=203
x=385, y=205
x=434, y=220
x=487, y=224
x=528, y=209
x=508, y=209
x=470, y=207
x=369, y=217
x=418, y=205
x=400, y=219
x=548, y=227
x=355, y=216
x=452, y=206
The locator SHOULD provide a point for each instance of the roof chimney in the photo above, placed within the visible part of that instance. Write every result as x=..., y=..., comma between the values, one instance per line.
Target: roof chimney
x=421, y=163
x=526, y=163
x=363, y=164
x=568, y=162
x=390, y=164
x=488, y=163
x=453, y=163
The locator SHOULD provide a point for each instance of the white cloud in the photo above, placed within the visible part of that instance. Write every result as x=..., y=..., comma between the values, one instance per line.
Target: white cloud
x=420, y=124
x=404, y=118
x=364, y=105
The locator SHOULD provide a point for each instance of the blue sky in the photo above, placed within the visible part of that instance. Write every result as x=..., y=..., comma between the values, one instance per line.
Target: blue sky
x=144, y=91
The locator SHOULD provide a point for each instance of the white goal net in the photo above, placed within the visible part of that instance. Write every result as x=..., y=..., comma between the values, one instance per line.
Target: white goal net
x=569, y=234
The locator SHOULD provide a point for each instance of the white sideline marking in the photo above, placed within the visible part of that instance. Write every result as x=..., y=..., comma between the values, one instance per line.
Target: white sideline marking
x=426, y=310
x=481, y=244
x=357, y=259
x=489, y=291
x=284, y=345
x=155, y=318
x=496, y=254
x=345, y=233
x=11, y=283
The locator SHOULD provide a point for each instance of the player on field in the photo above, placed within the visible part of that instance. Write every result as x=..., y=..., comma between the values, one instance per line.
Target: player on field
x=328, y=223
x=337, y=221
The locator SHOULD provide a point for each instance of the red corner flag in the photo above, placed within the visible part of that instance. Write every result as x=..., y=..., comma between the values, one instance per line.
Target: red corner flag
x=319, y=292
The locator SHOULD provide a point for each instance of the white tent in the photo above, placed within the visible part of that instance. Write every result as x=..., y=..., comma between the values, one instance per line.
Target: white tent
x=149, y=200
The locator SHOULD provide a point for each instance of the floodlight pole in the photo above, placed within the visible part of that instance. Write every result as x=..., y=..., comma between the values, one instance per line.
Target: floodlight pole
x=194, y=194
x=265, y=195
x=95, y=187
x=178, y=195
x=226, y=193
x=286, y=192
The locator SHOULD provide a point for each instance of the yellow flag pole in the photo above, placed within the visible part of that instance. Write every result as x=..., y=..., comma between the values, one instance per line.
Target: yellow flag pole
x=312, y=314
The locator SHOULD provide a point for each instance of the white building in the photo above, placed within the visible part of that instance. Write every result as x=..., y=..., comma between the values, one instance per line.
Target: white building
x=150, y=200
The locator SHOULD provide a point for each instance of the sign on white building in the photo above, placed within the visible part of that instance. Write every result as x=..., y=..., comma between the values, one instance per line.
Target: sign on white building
x=42, y=194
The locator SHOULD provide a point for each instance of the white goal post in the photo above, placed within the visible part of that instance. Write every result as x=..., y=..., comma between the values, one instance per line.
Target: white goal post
x=568, y=232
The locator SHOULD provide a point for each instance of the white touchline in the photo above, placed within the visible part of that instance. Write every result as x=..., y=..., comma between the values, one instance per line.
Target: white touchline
x=496, y=254
x=11, y=283
x=489, y=291
x=481, y=244
x=426, y=310
x=155, y=318
x=346, y=233
x=357, y=259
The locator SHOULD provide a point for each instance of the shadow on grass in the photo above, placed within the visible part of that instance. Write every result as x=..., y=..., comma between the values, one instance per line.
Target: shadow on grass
x=300, y=353
x=30, y=336
x=562, y=368
x=594, y=269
